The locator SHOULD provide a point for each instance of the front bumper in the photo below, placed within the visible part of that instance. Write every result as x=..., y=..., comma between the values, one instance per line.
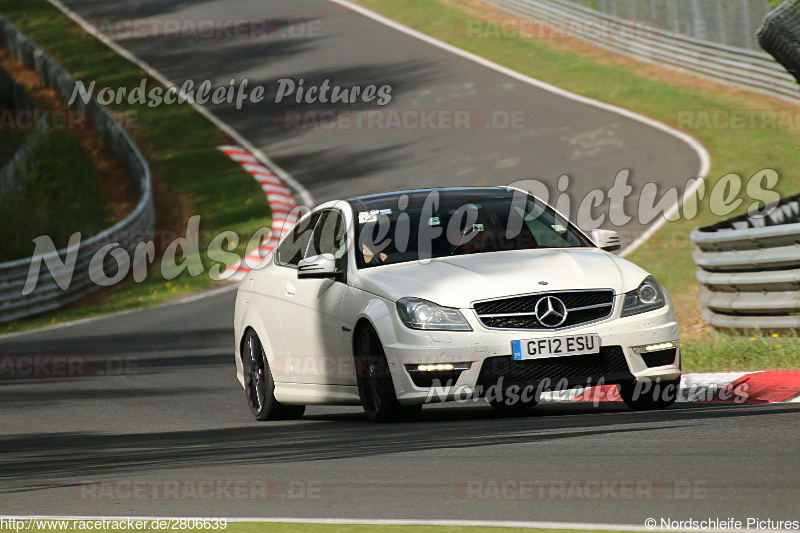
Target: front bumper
x=481, y=356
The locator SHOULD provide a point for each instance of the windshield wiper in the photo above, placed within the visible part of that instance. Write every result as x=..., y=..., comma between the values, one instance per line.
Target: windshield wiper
x=467, y=231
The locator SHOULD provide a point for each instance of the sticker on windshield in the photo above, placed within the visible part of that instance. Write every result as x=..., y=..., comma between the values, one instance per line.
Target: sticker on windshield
x=385, y=212
x=365, y=217
x=559, y=228
x=477, y=227
x=434, y=221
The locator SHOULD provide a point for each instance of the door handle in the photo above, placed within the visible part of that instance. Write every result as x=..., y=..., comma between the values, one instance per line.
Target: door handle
x=289, y=290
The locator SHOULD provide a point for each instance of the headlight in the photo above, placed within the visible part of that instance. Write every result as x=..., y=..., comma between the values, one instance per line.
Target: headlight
x=417, y=313
x=648, y=297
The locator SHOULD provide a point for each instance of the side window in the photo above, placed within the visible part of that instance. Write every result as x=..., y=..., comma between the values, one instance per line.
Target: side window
x=291, y=250
x=329, y=235
x=550, y=232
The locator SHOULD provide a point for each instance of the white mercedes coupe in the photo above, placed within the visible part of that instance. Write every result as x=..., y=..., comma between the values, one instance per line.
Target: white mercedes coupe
x=394, y=300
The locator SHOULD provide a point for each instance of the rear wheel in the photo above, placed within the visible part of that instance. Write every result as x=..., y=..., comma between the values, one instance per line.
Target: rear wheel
x=659, y=395
x=259, y=386
x=375, y=385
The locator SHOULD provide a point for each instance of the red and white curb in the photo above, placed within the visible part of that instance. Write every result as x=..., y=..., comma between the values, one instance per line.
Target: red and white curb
x=769, y=386
x=281, y=201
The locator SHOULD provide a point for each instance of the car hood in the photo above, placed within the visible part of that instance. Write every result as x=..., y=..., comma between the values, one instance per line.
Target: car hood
x=459, y=281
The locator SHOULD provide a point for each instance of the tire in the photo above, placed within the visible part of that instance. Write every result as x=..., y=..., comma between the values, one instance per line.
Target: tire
x=259, y=387
x=375, y=385
x=515, y=408
x=661, y=395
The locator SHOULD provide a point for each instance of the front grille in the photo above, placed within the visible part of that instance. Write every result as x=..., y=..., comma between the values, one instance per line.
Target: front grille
x=519, y=312
x=569, y=371
x=659, y=357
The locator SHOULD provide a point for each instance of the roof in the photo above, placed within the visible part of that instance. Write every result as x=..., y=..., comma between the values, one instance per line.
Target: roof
x=457, y=194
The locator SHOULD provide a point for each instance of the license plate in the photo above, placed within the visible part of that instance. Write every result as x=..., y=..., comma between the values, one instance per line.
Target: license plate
x=555, y=346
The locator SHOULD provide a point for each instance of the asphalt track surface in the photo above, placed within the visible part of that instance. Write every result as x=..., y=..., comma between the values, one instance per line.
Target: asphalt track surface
x=161, y=402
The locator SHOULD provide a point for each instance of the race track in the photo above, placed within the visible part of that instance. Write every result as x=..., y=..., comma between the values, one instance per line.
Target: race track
x=158, y=401
x=174, y=411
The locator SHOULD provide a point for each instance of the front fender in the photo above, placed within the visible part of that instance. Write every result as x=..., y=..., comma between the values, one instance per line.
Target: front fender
x=254, y=317
x=381, y=314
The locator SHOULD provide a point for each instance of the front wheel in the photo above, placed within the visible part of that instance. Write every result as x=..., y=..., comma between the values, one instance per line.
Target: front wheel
x=375, y=385
x=515, y=408
x=649, y=396
x=259, y=386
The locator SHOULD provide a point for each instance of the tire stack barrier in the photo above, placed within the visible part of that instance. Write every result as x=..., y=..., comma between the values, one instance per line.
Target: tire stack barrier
x=780, y=36
x=750, y=270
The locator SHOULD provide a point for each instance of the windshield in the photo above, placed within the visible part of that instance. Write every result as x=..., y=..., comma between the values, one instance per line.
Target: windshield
x=420, y=225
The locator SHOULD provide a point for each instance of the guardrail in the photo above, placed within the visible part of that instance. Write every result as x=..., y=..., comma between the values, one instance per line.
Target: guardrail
x=13, y=172
x=754, y=70
x=729, y=22
x=136, y=226
x=750, y=269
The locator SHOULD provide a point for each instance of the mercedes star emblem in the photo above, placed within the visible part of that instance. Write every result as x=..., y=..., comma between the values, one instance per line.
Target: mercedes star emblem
x=550, y=311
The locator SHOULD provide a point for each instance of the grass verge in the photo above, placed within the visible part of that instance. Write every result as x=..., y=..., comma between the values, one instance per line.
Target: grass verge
x=189, y=175
x=61, y=191
x=662, y=94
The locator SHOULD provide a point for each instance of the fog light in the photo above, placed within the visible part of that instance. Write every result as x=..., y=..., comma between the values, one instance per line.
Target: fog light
x=428, y=375
x=662, y=346
x=435, y=368
x=655, y=347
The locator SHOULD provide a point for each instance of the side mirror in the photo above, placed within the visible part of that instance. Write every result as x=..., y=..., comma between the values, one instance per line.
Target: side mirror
x=606, y=239
x=319, y=267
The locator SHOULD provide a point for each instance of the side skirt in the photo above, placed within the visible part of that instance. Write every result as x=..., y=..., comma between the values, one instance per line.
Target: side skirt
x=316, y=394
